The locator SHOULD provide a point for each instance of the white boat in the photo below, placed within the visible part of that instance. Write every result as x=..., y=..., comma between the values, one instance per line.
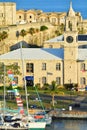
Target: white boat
x=34, y=124
x=37, y=125
x=48, y=119
x=45, y=116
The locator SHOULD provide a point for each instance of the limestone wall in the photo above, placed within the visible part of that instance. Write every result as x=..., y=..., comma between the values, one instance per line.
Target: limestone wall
x=7, y=13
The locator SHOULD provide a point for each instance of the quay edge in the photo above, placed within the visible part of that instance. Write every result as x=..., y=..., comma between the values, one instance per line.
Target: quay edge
x=74, y=114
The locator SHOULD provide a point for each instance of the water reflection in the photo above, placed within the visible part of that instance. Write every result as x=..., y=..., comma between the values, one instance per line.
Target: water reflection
x=68, y=125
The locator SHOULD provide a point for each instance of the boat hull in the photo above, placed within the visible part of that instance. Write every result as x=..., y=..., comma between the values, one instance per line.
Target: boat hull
x=37, y=125
x=4, y=128
x=36, y=128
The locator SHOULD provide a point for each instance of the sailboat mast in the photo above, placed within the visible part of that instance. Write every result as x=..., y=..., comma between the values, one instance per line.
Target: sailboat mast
x=22, y=59
x=4, y=87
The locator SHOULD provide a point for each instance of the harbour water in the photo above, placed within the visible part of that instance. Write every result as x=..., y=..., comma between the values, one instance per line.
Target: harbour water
x=68, y=125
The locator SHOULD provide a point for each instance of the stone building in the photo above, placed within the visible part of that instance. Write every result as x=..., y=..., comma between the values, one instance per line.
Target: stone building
x=10, y=16
x=65, y=65
x=7, y=13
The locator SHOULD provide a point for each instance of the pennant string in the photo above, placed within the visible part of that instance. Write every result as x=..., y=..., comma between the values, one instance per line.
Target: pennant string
x=16, y=91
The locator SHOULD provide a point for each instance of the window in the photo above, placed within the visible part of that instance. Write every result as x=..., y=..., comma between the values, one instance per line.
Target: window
x=70, y=25
x=29, y=67
x=30, y=17
x=16, y=79
x=43, y=66
x=53, y=20
x=58, y=66
x=83, y=80
x=82, y=66
x=43, y=80
x=58, y=80
x=19, y=17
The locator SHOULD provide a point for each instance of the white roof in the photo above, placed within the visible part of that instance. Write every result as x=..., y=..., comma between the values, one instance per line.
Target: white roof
x=41, y=54
x=34, y=54
x=56, y=39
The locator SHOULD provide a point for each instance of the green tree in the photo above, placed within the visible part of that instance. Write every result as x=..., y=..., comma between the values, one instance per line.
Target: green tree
x=43, y=28
x=52, y=91
x=57, y=32
x=31, y=31
x=23, y=33
x=3, y=35
x=13, y=67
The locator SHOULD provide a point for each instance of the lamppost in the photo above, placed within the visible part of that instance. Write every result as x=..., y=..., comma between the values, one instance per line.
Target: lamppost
x=70, y=107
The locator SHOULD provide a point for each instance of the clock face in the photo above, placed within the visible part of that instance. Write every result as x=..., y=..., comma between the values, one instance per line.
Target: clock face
x=69, y=39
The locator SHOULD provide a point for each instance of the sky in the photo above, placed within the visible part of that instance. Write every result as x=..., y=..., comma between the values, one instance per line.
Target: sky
x=51, y=5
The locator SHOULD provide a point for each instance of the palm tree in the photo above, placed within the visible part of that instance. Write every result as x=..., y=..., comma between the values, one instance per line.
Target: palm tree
x=43, y=29
x=53, y=89
x=23, y=33
x=4, y=35
x=31, y=31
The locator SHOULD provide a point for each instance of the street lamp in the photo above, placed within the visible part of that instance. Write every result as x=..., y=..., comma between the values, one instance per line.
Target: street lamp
x=70, y=107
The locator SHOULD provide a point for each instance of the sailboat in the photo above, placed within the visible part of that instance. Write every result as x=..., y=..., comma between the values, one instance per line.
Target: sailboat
x=42, y=114
x=32, y=124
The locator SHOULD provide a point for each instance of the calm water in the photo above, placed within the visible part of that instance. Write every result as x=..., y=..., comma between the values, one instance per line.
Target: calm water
x=68, y=125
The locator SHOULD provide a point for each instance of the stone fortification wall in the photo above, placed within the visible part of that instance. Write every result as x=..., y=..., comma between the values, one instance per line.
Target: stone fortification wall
x=7, y=13
x=37, y=38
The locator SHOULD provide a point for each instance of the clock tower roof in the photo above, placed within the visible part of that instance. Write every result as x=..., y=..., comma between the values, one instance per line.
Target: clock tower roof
x=71, y=12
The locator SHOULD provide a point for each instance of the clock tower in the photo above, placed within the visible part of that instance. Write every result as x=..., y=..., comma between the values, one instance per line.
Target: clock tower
x=70, y=47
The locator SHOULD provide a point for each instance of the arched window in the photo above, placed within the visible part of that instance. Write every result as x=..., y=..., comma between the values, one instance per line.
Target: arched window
x=30, y=16
x=19, y=17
